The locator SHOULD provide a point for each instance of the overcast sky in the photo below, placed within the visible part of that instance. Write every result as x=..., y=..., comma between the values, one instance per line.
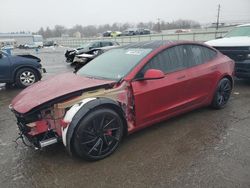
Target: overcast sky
x=30, y=15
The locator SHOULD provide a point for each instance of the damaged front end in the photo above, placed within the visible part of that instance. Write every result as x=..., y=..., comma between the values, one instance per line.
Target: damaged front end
x=50, y=124
x=40, y=128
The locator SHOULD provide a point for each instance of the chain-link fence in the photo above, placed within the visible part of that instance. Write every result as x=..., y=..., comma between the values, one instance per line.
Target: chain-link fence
x=195, y=36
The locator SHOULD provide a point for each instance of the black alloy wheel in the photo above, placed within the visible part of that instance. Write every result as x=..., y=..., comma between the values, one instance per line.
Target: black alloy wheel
x=98, y=134
x=222, y=94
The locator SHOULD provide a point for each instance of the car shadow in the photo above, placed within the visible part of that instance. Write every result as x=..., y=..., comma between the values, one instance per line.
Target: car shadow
x=242, y=82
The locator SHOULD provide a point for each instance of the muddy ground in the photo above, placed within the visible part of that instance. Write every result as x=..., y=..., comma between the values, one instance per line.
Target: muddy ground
x=204, y=148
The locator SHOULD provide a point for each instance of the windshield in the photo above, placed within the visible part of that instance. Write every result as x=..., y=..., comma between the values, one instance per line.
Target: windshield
x=114, y=64
x=239, y=31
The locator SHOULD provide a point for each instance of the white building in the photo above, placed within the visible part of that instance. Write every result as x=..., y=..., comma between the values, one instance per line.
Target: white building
x=22, y=39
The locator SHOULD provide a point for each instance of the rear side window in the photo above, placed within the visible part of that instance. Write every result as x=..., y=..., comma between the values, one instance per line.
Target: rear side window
x=199, y=54
x=107, y=43
x=169, y=60
x=96, y=45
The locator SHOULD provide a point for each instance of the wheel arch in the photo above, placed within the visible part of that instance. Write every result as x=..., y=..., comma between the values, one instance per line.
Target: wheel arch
x=229, y=78
x=85, y=110
x=216, y=84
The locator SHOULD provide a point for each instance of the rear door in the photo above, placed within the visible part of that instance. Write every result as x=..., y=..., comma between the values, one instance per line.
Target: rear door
x=158, y=99
x=5, y=68
x=202, y=71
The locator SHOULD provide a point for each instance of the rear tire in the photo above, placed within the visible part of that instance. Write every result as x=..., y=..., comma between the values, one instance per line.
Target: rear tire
x=98, y=134
x=222, y=93
x=26, y=77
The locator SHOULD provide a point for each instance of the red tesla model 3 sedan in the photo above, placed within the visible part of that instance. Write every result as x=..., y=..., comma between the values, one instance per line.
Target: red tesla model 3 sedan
x=122, y=91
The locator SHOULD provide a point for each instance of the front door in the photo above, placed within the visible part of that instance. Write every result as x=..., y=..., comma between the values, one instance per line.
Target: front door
x=159, y=99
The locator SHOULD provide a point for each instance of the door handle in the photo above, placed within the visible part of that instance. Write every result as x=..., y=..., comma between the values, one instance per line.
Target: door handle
x=181, y=77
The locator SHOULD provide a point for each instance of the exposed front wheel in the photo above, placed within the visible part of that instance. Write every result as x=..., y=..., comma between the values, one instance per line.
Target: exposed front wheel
x=98, y=134
x=26, y=77
x=222, y=93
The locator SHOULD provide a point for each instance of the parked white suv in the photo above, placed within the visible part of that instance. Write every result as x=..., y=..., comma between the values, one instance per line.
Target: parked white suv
x=236, y=45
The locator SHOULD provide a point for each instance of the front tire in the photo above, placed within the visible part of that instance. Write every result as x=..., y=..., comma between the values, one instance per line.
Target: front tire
x=26, y=77
x=222, y=93
x=98, y=134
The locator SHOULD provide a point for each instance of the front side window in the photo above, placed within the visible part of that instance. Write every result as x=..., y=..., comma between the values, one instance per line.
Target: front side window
x=169, y=60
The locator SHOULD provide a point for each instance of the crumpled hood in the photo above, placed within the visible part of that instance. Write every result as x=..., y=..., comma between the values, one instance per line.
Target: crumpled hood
x=230, y=41
x=29, y=56
x=52, y=88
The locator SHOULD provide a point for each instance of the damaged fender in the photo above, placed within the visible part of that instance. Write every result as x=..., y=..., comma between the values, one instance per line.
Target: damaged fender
x=77, y=112
x=70, y=114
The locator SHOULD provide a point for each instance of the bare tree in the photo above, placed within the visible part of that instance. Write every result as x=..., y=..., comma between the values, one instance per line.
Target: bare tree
x=92, y=30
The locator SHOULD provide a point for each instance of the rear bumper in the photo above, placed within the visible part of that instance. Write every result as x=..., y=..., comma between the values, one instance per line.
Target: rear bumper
x=242, y=69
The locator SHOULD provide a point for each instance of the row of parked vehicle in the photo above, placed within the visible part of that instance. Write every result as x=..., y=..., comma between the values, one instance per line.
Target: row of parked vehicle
x=127, y=32
x=124, y=90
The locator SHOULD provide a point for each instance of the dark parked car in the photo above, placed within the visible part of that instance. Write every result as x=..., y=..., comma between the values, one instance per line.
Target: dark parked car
x=236, y=45
x=142, y=31
x=84, y=58
x=120, y=92
x=129, y=32
x=49, y=43
x=22, y=70
x=136, y=31
x=70, y=54
x=107, y=34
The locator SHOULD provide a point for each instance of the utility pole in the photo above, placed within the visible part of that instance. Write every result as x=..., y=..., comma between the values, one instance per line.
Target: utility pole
x=218, y=18
x=159, y=25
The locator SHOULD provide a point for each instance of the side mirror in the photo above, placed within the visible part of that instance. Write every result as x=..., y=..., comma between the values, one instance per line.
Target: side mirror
x=152, y=74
